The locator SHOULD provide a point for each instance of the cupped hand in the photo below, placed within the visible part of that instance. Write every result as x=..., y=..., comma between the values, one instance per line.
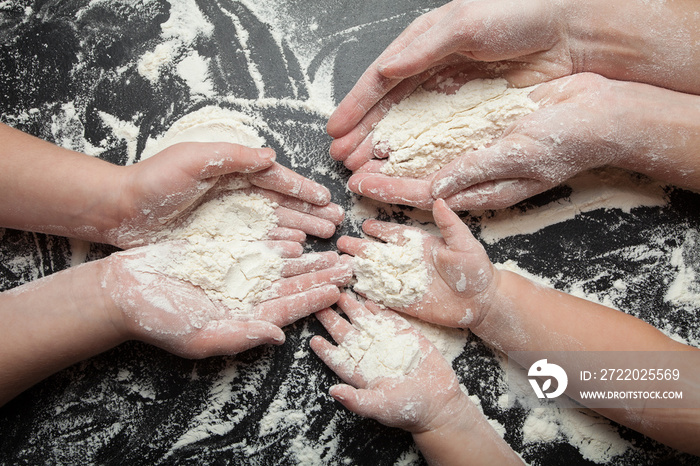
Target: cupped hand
x=157, y=192
x=462, y=281
x=149, y=305
x=584, y=122
x=423, y=399
x=523, y=42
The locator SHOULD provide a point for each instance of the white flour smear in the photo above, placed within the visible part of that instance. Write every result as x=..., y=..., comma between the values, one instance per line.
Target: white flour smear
x=391, y=274
x=380, y=348
x=600, y=189
x=429, y=129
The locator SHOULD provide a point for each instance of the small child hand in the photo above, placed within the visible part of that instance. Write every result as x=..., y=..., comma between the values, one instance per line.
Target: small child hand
x=151, y=304
x=461, y=281
x=416, y=392
x=159, y=191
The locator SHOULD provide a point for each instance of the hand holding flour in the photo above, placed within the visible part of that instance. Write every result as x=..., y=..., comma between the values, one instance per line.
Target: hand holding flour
x=48, y=189
x=526, y=43
x=420, y=393
x=448, y=281
x=584, y=121
x=577, y=123
x=148, y=301
x=159, y=191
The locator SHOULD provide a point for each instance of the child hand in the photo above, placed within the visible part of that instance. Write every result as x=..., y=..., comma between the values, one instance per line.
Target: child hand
x=461, y=281
x=417, y=394
x=157, y=191
x=152, y=305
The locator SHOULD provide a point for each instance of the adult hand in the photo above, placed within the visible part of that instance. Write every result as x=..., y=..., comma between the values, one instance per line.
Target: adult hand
x=149, y=305
x=426, y=398
x=156, y=192
x=461, y=38
x=584, y=121
x=462, y=280
x=525, y=42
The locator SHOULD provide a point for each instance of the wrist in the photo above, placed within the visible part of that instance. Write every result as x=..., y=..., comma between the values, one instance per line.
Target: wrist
x=634, y=40
x=103, y=281
x=661, y=134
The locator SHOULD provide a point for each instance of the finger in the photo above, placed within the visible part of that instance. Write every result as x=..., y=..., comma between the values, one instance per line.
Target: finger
x=371, y=166
x=336, y=359
x=226, y=337
x=422, y=43
x=286, y=234
x=283, y=180
x=352, y=308
x=360, y=155
x=372, y=86
x=509, y=158
x=386, y=231
x=331, y=212
x=309, y=224
x=405, y=191
x=338, y=327
x=455, y=233
x=210, y=159
x=366, y=403
x=338, y=276
x=309, y=263
x=286, y=249
x=496, y=194
x=288, y=309
x=366, y=118
x=352, y=245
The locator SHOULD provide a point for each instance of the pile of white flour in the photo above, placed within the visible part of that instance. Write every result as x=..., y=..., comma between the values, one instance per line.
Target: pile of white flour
x=222, y=246
x=428, y=129
x=391, y=274
x=379, y=349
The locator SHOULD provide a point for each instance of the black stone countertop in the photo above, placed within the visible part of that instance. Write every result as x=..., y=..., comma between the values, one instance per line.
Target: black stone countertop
x=66, y=65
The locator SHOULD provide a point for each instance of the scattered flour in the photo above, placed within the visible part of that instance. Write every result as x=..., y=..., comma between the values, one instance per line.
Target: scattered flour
x=685, y=290
x=185, y=24
x=427, y=130
x=380, y=348
x=600, y=189
x=391, y=274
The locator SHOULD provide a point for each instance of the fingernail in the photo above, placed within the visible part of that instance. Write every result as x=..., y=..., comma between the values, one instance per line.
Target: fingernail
x=382, y=66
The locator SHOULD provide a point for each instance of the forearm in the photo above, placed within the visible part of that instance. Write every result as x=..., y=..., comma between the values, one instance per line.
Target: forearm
x=662, y=139
x=636, y=40
x=51, y=324
x=468, y=440
x=48, y=189
x=529, y=317
x=526, y=316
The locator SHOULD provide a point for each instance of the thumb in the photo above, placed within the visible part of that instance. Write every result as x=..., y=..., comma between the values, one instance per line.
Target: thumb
x=456, y=234
x=201, y=160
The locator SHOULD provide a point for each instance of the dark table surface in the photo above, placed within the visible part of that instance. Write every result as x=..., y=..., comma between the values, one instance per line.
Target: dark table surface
x=66, y=64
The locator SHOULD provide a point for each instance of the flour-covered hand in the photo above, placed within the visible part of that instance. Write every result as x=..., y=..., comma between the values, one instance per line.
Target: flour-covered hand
x=584, y=121
x=525, y=42
x=160, y=191
x=151, y=304
x=449, y=281
x=452, y=42
x=424, y=398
